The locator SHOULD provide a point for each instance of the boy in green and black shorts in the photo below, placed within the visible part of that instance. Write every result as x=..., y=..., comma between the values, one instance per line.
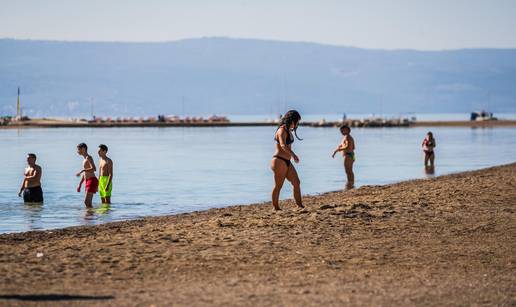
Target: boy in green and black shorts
x=105, y=175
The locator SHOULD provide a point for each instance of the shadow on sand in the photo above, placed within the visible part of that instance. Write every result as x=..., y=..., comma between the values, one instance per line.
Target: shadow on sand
x=54, y=297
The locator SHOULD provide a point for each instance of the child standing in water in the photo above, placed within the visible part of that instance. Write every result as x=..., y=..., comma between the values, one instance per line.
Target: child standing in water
x=87, y=174
x=105, y=175
x=428, y=148
x=347, y=146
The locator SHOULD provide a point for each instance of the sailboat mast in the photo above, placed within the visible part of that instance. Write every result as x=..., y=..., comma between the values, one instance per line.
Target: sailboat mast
x=18, y=105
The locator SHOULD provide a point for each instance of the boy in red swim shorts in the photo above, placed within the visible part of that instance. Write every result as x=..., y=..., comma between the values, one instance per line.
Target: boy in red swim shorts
x=87, y=174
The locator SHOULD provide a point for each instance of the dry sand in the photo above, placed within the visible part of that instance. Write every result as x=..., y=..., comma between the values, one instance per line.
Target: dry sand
x=449, y=241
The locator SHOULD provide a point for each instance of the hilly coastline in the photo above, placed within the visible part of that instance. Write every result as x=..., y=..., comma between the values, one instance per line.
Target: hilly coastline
x=247, y=76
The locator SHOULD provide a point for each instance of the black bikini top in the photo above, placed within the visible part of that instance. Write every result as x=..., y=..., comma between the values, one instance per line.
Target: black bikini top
x=290, y=138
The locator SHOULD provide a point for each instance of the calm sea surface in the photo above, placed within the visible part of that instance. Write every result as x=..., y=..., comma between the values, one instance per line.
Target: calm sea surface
x=162, y=171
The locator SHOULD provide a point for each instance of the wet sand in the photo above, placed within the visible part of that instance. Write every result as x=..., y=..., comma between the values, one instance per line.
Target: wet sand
x=447, y=241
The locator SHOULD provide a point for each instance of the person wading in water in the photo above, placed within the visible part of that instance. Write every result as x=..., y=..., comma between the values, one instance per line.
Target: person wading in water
x=428, y=148
x=347, y=146
x=31, y=185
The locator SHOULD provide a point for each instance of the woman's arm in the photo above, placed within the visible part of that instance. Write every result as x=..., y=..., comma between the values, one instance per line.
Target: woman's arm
x=283, y=144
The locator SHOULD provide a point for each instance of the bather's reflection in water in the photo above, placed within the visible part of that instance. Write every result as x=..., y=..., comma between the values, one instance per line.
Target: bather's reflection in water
x=89, y=216
x=430, y=171
x=33, y=213
x=103, y=209
x=93, y=216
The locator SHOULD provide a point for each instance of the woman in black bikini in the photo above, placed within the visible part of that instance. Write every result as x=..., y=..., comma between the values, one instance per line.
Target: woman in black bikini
x=280, y=164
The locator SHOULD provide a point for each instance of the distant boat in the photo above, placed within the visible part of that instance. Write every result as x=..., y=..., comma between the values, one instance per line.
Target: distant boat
x=482, y=115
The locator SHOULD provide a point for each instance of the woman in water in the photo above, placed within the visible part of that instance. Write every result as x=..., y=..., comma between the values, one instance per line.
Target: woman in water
x=428, y=148
x=280, y=164
x=347, y=146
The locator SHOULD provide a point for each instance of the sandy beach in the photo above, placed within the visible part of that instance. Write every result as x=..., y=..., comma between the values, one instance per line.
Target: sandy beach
x=448, y=241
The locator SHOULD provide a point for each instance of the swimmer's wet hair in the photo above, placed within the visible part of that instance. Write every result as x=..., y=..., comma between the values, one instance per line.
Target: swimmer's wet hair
x=290, y=117
x=82, y=145
x=32, y=155
x=103, y=147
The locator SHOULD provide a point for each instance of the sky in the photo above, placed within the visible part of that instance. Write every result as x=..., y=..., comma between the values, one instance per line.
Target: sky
x=380, y=24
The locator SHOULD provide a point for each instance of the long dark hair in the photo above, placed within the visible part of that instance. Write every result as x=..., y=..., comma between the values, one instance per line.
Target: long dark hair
x=431, y=137
x=290, y=117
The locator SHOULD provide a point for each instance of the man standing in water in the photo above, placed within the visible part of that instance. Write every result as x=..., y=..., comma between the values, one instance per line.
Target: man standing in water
x=105, y=175
x=347, y=146
x=87, y=174
x=31, y=185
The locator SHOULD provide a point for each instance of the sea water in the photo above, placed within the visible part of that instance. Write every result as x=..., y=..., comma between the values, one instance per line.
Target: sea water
x=161, y=171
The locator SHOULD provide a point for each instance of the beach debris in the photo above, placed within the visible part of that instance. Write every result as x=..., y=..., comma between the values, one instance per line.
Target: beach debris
x=324, y=207
x=170, y=238
x=388, y=213
x=360, y=206
x=39, y=255
x=225, y=224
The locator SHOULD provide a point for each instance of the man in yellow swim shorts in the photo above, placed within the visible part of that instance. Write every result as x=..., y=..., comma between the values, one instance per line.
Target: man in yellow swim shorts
x=105, y=175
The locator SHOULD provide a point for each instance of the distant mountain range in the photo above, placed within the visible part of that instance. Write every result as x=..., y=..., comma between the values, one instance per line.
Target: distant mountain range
x=245, y=76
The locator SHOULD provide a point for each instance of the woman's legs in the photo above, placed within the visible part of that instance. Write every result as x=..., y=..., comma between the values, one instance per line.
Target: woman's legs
x=427, y=156
x=296, y=184
x=432, y=158
x=348, y=167
x=280, y=169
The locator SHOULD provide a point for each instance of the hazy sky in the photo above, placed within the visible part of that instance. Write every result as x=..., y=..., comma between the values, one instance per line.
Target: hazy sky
x=387, y=24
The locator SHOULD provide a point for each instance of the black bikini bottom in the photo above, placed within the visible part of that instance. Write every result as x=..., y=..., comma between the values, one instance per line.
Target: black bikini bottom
x=285, y=160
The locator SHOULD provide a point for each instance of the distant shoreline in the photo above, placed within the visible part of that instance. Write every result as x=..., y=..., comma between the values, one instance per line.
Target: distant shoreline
x=48, y=123
x=458, y=123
